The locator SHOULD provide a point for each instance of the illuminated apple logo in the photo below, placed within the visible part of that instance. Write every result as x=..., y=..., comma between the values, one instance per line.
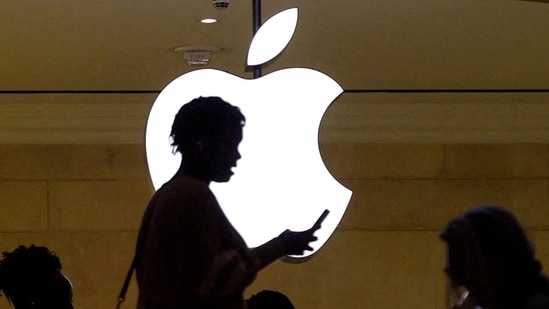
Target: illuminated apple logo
x=281, y=181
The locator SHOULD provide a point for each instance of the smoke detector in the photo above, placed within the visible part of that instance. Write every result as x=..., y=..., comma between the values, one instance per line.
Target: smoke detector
x=220, y=4
x=197, y=55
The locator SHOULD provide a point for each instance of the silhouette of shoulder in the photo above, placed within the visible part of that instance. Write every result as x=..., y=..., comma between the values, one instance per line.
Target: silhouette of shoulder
x=182, y=194
x=538, y=301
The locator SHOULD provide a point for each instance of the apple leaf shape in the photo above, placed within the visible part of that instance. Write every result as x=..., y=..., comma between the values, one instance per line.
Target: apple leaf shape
x=272, y=37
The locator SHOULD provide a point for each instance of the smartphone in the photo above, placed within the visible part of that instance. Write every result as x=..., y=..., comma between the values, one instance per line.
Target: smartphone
x=320, y=219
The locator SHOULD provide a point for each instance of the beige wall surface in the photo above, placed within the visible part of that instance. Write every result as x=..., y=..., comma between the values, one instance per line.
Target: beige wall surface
x=85, y=202
x=73, y=177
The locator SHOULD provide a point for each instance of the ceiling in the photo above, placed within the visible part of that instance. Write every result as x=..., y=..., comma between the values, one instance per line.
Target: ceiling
x=106, y=45
x=88, y=71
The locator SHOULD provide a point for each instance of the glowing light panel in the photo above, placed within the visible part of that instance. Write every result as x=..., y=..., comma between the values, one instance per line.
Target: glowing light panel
x=281, y=181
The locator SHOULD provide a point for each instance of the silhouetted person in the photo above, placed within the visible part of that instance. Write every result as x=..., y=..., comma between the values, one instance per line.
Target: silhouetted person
x=189, y=254
x=268, y=299
x=31, y=278
x=490, y=256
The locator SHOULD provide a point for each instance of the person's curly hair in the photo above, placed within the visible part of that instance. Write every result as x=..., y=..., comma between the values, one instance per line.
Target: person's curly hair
x=24, y=268
x=203, y=118
x=268, y=299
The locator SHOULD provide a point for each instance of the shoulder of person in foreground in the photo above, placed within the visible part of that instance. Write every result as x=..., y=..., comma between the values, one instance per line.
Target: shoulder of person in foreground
x=540, y=299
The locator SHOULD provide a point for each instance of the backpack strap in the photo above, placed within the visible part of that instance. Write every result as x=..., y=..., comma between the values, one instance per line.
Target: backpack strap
x=138, y=250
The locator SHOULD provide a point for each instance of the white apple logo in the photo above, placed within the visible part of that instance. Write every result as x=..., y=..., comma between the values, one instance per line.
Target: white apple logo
x=281, y=181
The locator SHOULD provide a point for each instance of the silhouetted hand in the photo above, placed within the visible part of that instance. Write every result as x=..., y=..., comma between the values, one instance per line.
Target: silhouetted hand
x=296, y=243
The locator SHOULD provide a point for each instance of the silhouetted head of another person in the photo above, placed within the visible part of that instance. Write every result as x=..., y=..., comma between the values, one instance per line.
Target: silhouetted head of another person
x=267, y=299
x=207, y=132
x=490, y=255
x=31, y=278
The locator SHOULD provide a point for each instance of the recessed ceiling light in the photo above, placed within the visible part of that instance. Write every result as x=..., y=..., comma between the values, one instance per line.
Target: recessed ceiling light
x=208, y=20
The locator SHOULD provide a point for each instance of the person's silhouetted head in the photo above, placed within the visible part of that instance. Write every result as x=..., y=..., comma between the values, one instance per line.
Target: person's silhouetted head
x=267, y=299
x=207, y=131
x=490, y=254
x=31, y=278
